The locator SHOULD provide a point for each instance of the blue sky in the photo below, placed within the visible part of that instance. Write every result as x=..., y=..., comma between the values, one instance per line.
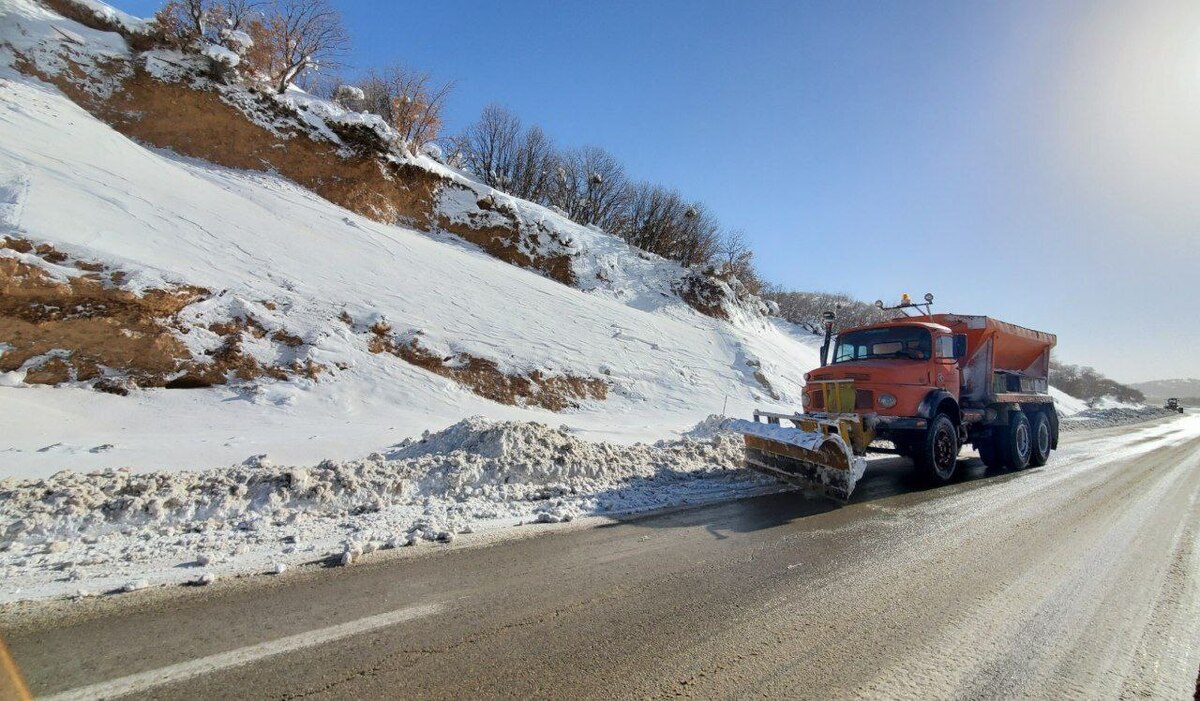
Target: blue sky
x=1035, y=161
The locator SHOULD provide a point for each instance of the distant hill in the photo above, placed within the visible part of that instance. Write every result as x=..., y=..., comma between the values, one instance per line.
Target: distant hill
x=1161, y=389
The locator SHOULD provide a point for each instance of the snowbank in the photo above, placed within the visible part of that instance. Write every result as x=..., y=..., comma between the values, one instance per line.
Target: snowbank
x=1101, y=417
x=1066, y=404
x=97, y=531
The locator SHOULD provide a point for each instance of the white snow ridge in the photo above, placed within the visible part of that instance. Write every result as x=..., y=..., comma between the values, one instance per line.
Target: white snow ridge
x=118, y=526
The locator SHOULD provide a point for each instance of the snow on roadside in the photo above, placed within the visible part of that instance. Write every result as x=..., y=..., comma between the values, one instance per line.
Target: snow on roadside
x=73, y=534
x=1105, y=417
x=1066, y=404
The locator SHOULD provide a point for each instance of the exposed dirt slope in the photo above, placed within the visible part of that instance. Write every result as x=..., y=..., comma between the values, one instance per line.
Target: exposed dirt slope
x=86, y=327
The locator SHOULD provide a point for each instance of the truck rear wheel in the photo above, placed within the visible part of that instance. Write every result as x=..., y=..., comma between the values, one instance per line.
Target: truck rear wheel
x=936, y=457
x=1039, y=452
x=1016, y=443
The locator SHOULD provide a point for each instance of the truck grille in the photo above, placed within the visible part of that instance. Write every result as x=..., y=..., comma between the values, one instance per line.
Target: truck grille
x=863, y=399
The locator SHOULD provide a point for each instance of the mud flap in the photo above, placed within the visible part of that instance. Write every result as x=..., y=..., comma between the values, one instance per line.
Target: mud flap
x=816, y=461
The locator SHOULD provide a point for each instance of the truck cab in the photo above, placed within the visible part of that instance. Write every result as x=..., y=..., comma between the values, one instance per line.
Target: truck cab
x=894, y=367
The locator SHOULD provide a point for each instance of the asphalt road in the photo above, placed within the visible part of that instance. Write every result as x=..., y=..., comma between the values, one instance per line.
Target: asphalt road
x=1079, y=579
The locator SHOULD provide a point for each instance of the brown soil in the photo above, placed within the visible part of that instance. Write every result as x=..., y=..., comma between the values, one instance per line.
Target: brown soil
x=761, y=378
x=89, y=328
x=93, y=324
x=484, y=377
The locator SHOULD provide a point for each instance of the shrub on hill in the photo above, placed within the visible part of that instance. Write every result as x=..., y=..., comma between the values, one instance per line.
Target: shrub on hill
x=1089, y=385
x=806, y=308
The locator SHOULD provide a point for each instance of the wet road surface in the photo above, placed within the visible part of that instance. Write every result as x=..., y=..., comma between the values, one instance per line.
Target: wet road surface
x=1079, y=579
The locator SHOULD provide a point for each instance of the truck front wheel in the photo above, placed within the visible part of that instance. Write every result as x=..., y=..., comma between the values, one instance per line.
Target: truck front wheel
x=1016, y=444
x=1039, y=452
x=936, y=457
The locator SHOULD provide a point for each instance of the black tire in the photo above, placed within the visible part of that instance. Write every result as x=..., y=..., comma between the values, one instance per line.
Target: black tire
x=989, y=453
x=1042, y=438
x=1016, y=443
x=936, y=457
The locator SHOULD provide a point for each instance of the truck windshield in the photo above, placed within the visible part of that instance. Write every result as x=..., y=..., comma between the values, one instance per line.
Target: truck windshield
x=889, y=342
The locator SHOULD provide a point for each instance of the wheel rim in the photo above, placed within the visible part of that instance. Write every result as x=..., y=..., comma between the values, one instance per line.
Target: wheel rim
x=944, y=452
x=1022, y=440
x=1043, y=439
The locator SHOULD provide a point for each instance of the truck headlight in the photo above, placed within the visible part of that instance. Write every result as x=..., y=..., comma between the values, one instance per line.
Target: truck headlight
x=805, y=400
x=887, y=401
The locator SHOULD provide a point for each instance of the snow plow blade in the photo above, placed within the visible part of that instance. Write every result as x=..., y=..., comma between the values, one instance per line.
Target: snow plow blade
x=817, y=455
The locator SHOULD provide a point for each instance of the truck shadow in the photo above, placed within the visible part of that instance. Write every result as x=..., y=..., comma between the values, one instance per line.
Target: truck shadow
x=885, y=479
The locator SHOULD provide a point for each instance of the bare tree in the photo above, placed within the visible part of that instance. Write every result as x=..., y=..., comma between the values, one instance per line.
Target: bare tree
x=408, y=100
x=735, y=256
x=488, y=147
x=806, y=308
x=189, y=20
x=659, y=220
x=651, y=215
x=534, y=160
x=590, y=185
x=299, y=36
x=698, y=239
x=238, y=14
x=185, y=20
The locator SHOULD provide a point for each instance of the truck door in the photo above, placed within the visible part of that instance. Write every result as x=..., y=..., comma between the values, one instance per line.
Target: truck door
x=946, y=371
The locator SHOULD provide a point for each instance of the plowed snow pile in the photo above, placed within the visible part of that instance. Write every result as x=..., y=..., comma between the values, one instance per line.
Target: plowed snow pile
x=100, y=531
x=1104, y=417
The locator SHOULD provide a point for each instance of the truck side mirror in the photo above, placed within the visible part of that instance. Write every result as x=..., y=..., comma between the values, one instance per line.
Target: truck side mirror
x=960, y=346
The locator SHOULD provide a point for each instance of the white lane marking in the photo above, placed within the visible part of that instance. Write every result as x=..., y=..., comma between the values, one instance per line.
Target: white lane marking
x=241, y=656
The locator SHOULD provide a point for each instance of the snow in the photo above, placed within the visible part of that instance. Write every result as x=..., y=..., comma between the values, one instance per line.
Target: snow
x=1107, y=402
x=1104, y=417
x=432, y=150
x=1066, y=404
x=237, y=40
x=346, y=93
x=220, y=54
x=52, y=44
x=319, y=114
x=158, y=528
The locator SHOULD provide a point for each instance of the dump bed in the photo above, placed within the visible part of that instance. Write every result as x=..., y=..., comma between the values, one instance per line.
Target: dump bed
x=1001, y=357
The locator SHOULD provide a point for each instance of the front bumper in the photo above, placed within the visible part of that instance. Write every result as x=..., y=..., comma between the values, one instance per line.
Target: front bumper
x=883, y=425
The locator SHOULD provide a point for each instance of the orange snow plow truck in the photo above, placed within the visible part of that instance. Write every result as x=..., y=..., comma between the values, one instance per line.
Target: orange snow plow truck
x=925, y=383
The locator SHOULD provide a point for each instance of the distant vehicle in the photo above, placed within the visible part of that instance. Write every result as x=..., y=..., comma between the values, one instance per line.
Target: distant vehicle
x=1173, y=405
x=928, y=383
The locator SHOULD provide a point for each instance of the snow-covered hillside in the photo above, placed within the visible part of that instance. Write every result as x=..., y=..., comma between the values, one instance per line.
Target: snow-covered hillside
x=287, y=264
